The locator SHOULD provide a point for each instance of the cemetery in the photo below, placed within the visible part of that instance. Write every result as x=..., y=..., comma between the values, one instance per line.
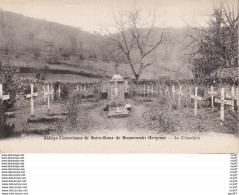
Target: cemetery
x=136, y=74
x=48, y=108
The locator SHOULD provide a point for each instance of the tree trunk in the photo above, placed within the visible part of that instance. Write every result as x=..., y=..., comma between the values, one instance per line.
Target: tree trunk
x=137, y=76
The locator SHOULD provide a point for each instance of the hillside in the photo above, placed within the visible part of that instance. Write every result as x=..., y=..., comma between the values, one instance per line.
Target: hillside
x=36, y=44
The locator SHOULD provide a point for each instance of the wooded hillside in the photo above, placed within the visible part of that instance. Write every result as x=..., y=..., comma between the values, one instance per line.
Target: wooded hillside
x=27, y=42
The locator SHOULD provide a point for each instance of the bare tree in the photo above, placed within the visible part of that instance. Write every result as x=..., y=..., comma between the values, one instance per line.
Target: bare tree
x=134, y=40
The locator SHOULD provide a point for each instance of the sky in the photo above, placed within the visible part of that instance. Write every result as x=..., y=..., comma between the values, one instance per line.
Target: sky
x=91, y=15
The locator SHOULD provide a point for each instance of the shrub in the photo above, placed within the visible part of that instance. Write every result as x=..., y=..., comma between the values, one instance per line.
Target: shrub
x=41, y=73
x=10, y=82
x=158, y=114
x=72, y=107
x=4, y=128
x=64, y=91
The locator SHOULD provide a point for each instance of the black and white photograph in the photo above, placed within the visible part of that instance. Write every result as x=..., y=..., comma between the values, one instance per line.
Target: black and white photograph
x=118, y=76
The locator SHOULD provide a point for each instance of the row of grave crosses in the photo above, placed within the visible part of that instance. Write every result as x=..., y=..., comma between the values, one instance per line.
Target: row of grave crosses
x=230, y=98
x=46, y=93
x=177, y=92
x=50, y=91
x=234, y=96
x=81, y=88
x=147, y=90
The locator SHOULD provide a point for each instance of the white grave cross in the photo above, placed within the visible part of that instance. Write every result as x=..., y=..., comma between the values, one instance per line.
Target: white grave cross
x=212, y=93
x=32, y=95
x=148, y=90
x=223, y=102
x=44, y=92
x=179, y=93
x=196, y=98
x=167, y=90
x=59, y=92
x=3, y=97
x=144, y=90
x=52, y=92
x=232, y=96
x=48, y=93
x=84, y=89
x=152, y=90
x=173, y=90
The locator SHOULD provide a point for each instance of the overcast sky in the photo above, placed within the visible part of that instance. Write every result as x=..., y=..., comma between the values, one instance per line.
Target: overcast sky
x=90, y=14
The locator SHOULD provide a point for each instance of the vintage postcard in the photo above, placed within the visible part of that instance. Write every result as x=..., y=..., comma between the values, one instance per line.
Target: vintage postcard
x=117, y=76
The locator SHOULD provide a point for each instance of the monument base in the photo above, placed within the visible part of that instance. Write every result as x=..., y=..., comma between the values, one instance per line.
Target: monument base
x=120, y=111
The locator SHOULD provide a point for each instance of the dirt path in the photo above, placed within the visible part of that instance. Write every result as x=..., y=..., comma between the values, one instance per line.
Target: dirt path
x=102, y=123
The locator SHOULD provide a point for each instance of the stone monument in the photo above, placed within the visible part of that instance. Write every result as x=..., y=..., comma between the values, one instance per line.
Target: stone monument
x=116, y=96
x=116, y=91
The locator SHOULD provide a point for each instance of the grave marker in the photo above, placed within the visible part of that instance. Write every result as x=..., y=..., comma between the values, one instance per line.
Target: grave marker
x=144, y=90
x=212, y=93
x=116, y=94
x=44, y=92
x=48, y=93
x=116, y=85
x=84, y=90
x=152, y=90
x=223, y=102
x=32, y=95
x=196, y=98
x=148, y=90
x=59, y=92
x=52, y=92
x=232, y=96
x=173, y=90
x=179, y=93
x=3, y=97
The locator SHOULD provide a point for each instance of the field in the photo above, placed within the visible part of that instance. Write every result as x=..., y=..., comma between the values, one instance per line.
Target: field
x=71, y=78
